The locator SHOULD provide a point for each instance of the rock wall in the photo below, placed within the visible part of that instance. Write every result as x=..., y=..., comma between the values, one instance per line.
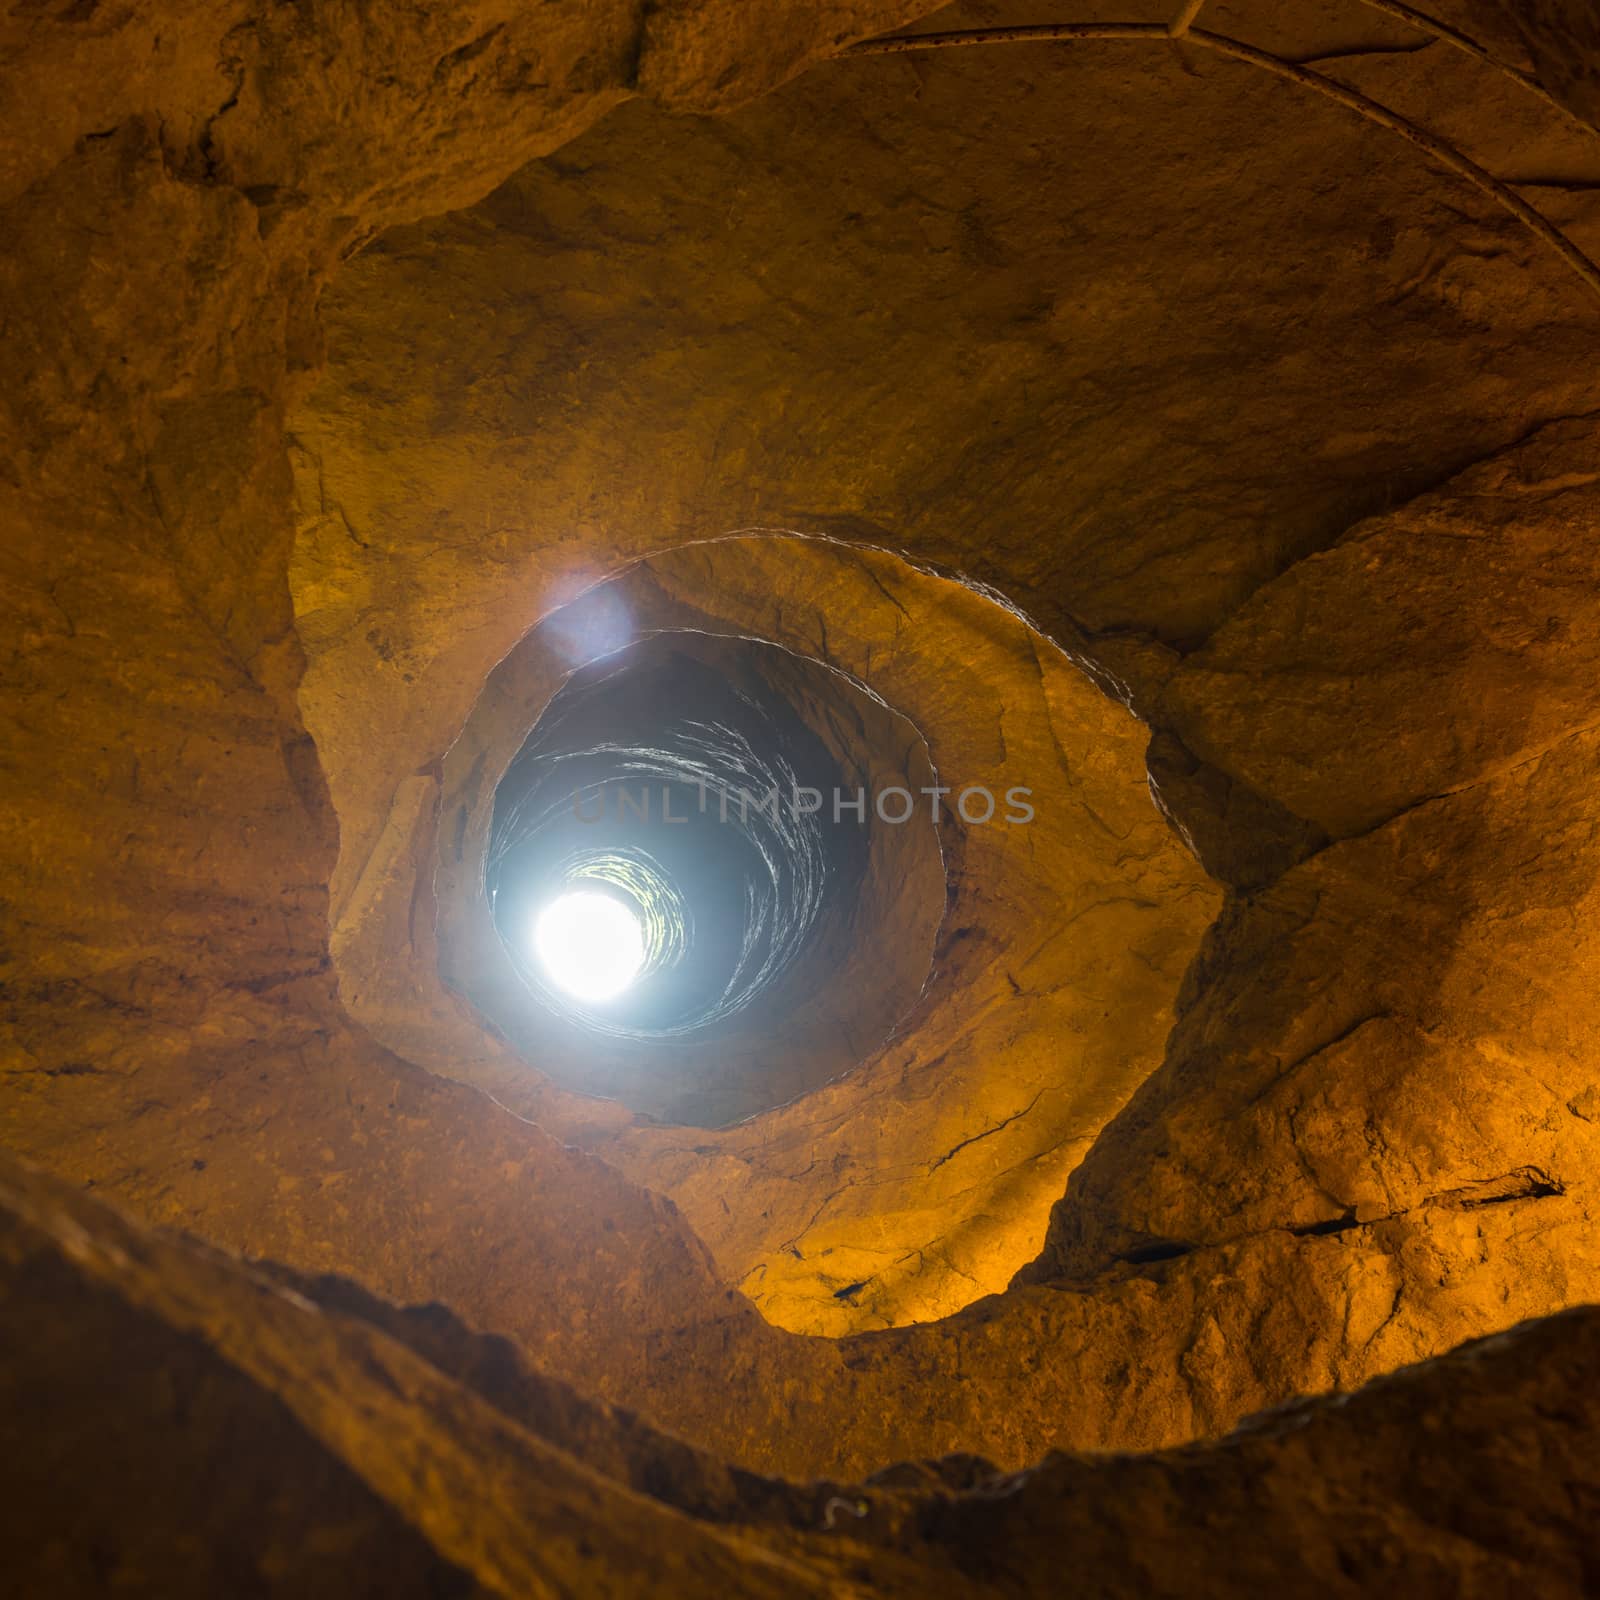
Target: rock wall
x=1319, y=513
x=308, y=1439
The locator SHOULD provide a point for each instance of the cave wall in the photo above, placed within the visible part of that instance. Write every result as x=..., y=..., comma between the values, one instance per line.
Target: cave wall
x=1175, y=485
x=396, y=1451
x=919, y=1180
x=172, y=1032
x=1380, y=662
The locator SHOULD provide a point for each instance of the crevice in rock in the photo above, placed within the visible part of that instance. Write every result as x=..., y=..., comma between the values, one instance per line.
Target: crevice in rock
x=1522, y=1184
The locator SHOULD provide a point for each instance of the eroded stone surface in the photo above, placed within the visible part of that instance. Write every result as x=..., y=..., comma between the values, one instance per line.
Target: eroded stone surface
x=920, y=1180
x=945, y=319
x=1355, y=686
x=1394, y=1020
x=394, y=1451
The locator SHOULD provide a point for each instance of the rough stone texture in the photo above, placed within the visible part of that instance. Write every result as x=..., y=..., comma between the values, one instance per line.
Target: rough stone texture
x=1044, y=316
x=260, y=1445
x=1562, y=38
x=1459, y=1478
x=1389, y=1021
x=333, y=117
x=793, y=317
x=1307, y=695
x=921, y=1180
x=696, y=364
x=254, y=1440
x=171, y=1032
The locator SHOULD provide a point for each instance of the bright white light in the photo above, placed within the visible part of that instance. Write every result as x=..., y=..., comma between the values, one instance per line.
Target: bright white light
x=590, y=944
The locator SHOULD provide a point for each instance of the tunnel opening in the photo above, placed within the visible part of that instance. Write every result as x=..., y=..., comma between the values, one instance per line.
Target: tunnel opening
x=680, y=779
x=876, y=1136
x=691, y=877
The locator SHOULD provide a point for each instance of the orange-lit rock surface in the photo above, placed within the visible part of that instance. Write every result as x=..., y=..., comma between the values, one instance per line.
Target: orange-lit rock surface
x=921, y=1179
x=264, y=1434
x=1072, y=399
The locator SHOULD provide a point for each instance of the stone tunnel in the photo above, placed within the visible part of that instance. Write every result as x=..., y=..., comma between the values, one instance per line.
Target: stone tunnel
x=801, y=799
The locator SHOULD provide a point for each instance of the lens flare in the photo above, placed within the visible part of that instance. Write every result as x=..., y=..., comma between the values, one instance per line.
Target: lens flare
x=590, y=945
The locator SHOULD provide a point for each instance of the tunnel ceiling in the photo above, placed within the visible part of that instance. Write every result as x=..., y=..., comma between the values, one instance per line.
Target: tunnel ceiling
x=1123, y=330
x=1104, y=419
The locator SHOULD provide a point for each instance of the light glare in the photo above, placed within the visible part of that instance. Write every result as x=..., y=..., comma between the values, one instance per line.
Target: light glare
x=590, y=944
